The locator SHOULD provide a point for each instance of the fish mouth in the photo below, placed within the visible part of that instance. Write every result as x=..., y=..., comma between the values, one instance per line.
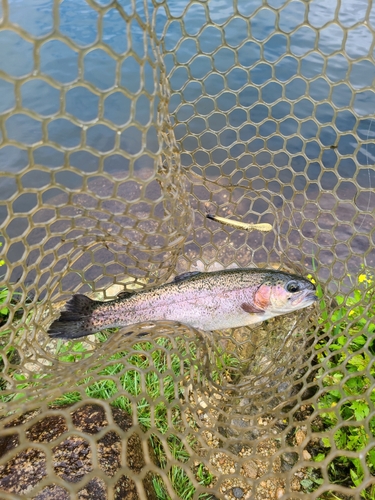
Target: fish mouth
x=311, y=295
x=307, y=297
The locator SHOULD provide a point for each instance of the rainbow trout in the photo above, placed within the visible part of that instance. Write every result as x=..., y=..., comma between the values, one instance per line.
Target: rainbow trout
x=208, y=301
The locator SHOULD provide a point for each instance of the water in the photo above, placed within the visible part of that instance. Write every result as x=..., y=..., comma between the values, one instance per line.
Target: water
x=264, y=116
x=253, y=80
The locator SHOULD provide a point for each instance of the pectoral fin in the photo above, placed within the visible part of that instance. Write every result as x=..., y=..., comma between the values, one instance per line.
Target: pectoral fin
x=252, y=309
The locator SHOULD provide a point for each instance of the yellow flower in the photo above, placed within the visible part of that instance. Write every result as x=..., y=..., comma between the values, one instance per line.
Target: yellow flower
x=311, y=279
x=365, y=278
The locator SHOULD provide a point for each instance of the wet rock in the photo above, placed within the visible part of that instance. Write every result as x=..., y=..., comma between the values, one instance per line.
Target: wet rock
x=95, y=490
x=72, y=459
x=47, y=429
x=72, y=456
x=53, y=492
x=23, y=471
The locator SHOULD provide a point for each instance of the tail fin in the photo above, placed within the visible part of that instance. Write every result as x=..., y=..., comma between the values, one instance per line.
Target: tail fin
x=74, y=322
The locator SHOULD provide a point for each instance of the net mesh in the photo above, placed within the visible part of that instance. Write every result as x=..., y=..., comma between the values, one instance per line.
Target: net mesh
x=122, y=124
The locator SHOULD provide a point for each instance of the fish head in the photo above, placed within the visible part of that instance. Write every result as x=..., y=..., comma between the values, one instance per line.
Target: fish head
x=283, y=293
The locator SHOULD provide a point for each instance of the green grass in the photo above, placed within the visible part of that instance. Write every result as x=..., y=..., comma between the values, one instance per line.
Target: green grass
x=345, y=369
x=345, y=350
x=153, y=407
x=161, y=382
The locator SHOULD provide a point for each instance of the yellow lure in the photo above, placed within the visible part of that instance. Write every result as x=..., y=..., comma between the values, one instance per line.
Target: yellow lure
x=264, y=227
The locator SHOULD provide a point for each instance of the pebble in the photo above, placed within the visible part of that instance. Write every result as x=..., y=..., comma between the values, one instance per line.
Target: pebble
x=306, y=455
x=288, y=459
x=300, y=436
x=237, y=492
x=250, y=469
x=296, y=485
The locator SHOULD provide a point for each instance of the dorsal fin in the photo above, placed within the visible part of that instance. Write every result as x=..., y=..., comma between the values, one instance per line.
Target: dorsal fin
x=124, y=295
x=185, y=276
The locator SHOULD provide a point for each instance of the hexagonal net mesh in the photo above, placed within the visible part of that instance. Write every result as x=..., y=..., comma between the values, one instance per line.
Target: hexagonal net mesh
x=122, y=124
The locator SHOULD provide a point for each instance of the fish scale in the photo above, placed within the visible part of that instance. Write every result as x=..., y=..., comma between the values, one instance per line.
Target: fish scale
x=208, y=301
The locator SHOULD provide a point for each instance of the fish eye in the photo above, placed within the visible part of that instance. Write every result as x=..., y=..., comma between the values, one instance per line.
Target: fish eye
x=293, y=287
